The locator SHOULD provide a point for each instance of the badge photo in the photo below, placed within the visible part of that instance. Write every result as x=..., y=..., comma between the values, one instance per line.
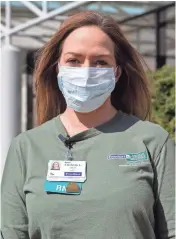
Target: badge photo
x=55, y=166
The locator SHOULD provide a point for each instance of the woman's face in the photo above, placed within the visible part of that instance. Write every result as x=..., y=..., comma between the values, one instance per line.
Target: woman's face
x=56, y=165
x=88, y=46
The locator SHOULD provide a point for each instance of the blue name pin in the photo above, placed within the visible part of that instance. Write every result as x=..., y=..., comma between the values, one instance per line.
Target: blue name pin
x=63, y=187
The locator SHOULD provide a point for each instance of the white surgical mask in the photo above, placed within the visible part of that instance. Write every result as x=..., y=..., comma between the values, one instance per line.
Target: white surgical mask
x=85, y=88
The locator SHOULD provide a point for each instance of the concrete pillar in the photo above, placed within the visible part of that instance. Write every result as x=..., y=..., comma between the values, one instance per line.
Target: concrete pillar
x=10, y=93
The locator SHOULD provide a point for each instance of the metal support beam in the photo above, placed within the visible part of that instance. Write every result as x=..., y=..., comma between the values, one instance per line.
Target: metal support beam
x=30, y=98
x=29, y=71
x=168, y=23
x=3, y=28
x=61, y=10
x=44, y=6
x=99, y=6
x=160, y=39
x=33, y=8
x=147, y=13
x=60, y=18
x=153, y=55
x=39, y=39
x=7, y=20
x=120, y=10
x=139, y=25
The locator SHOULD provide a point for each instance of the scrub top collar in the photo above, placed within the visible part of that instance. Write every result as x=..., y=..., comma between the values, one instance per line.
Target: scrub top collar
x=89, y=133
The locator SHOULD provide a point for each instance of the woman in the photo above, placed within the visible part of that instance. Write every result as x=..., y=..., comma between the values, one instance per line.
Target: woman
x=55, y=166
x=92, y=102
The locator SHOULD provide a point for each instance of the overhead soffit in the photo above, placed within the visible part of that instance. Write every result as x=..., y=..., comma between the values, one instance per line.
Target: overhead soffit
x=141, y=31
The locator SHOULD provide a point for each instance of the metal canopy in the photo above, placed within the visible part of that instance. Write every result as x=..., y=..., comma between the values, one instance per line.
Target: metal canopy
x=29, y=24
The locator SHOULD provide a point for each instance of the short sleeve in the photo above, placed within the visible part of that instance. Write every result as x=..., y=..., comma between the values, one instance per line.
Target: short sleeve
x=14, y=215
x=165, y=195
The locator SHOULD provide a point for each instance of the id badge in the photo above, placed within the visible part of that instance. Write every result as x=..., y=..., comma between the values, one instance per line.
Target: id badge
x=63, y=187
x=66, y=171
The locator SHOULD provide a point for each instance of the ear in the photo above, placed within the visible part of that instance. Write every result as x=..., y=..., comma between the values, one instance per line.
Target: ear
x=118, y=73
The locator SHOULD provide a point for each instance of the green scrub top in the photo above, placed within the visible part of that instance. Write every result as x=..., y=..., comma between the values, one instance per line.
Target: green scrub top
x=128, y=194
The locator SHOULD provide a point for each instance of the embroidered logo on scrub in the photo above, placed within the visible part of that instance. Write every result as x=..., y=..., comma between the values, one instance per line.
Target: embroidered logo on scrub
x=131, y=158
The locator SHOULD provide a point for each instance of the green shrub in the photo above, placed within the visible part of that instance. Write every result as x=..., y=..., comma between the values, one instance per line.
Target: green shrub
x=163, y=98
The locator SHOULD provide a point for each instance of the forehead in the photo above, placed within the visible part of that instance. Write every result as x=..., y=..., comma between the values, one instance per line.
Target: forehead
x=88, y=38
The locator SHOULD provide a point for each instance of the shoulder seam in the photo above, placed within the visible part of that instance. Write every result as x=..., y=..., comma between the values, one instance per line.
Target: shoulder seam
x=157, y=193
x=161, y=148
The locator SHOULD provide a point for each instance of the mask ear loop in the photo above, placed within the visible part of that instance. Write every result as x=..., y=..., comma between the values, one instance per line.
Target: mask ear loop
x=119, y=74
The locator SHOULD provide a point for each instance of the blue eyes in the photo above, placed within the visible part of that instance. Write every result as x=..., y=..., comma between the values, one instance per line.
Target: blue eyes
x=97, y=63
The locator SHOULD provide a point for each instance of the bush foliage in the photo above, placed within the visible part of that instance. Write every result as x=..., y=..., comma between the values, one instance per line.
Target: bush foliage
x=163, y=98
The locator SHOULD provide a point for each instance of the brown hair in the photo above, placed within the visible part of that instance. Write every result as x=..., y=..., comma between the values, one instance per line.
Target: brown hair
x=131, y=94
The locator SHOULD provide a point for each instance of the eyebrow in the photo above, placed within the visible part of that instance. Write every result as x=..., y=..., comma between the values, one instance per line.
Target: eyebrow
x=79, y=54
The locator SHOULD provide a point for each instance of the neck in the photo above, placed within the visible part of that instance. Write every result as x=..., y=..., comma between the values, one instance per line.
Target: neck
x=91, y=119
